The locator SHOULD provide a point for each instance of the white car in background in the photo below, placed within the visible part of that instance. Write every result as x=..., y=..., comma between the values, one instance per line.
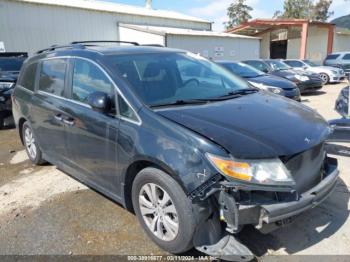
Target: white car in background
x=328, y=74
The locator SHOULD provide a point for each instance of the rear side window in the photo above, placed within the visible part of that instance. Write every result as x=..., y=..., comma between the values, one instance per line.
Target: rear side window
x=346, y=57
x=87, y=79
x=332, y=57
x=27, y=79
x=52, y=76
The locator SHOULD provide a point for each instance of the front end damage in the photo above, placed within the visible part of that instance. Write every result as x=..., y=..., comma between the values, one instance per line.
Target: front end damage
x=234, y=204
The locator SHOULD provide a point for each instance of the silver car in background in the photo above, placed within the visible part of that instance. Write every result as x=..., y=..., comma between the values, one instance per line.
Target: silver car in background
x=328, y=74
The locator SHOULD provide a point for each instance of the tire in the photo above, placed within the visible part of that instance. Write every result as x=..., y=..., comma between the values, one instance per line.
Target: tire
x=2, y=122
x=173, y=241
x=33, y=151
x=325, y=78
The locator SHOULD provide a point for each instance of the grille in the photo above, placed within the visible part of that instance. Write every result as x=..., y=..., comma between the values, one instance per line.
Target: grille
x=307, y=168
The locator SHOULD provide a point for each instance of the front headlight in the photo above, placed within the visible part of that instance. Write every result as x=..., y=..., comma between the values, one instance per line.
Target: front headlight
x=5, y=85
x=334, y=72
x=301, y=78
x=273, y=89
x=262, y=171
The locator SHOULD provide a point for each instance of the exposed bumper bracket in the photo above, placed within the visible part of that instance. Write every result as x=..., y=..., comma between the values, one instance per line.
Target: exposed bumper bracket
x=228, y=248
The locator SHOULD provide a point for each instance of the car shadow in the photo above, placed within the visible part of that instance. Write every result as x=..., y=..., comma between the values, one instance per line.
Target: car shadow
x=308, y=229
x=314, y=93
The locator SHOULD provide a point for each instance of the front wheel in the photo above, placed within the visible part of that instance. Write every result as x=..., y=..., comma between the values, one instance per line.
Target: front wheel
x=163, y=210
x=325, y=78
x=33, y=151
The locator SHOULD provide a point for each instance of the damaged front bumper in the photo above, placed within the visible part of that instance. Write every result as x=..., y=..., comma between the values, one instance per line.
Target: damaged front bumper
x=268, y=209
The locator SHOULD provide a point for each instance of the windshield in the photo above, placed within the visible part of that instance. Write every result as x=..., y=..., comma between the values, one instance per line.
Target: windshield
x=278, y=65
x=166, y=78
x=243, y=70
x=11, y=64
x=308, y=62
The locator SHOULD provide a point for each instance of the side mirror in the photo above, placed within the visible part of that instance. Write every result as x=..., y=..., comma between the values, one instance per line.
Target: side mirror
x=100, y=102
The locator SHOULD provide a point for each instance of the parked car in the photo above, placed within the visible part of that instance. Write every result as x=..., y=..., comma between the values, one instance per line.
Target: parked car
x=305, y=81
x=10, y=65
x=328, y=74
x=259, y=79
x=195, y=160
x=342, y=103
x=341, y=127
x=339, y=59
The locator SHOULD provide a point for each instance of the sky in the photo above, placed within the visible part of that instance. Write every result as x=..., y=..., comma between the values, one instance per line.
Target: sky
x=215, y=10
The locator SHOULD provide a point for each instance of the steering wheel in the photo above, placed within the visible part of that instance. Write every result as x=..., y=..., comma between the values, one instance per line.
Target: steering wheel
x=189, y=81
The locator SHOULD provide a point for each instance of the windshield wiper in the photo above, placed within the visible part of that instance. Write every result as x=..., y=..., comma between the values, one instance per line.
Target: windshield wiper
x=181, y=102
x=235, y=94
x=241, y=92
x=250, y=76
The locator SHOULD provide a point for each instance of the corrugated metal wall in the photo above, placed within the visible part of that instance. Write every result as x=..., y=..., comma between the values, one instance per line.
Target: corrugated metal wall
x=217, y=48
x=143, y=38
x=29, y=27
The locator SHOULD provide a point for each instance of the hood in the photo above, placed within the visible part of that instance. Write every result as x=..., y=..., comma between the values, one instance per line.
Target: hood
x=272, y=80
x=9, y=76
x=259, y=125
x=329, y=68
x=305, y=72
x=284, y=73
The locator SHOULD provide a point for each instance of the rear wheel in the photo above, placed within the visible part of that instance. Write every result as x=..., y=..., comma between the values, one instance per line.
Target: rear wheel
x=325, y=78
x=31, y=145
x=163, y=210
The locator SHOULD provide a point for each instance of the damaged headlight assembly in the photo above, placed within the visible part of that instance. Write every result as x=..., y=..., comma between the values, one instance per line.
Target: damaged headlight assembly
x=267, y=172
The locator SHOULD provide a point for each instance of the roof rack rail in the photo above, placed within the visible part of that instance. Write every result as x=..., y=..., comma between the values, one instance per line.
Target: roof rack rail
x=102, y=41
x=54, y=47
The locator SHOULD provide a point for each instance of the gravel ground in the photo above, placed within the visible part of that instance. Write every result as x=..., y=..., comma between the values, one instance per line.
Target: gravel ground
x=44, y=211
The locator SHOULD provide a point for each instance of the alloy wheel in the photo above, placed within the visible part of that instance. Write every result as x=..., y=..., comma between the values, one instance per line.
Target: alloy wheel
x=30, y=143
x=158, y=212
x=324, y=78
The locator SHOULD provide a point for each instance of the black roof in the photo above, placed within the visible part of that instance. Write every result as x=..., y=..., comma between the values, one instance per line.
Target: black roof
x=93, y=49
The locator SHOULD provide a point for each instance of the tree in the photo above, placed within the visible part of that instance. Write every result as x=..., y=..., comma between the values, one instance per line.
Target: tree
x=298, y=9
x=321, y=10
x=238, y=12
x=306, y=9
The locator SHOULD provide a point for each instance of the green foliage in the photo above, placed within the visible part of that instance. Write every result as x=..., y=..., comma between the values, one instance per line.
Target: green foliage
x=321, y=10
x=238, y=12
x=306, y=9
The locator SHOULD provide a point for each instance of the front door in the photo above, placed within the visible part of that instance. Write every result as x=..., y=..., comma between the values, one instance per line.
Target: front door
x=91, y=135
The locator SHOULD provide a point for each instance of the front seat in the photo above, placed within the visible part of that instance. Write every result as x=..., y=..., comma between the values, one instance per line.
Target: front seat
x=157, y=83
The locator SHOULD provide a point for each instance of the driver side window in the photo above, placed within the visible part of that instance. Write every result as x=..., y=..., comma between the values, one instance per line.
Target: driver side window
x=87, y=79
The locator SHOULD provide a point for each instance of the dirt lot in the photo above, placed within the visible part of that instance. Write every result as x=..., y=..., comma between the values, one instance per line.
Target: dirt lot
x=43, y=211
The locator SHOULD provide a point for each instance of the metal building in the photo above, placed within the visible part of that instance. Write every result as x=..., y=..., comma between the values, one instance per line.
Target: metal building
x=30, y=25
x=214, y=45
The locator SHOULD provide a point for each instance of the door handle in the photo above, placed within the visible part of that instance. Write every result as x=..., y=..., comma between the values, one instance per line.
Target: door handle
x=58, y=117
x=68, y=121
